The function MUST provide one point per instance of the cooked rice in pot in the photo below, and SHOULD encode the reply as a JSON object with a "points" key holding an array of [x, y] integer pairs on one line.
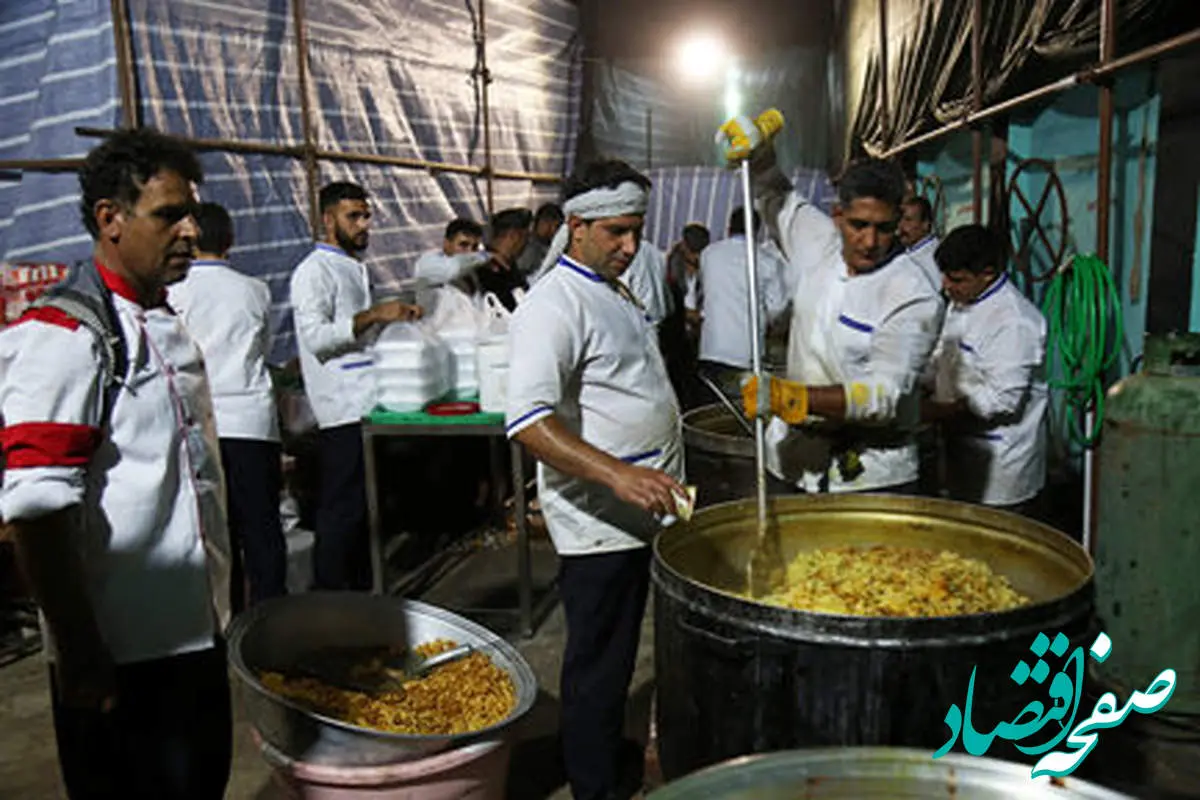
{"points": [[890, 581], [460, 697]]}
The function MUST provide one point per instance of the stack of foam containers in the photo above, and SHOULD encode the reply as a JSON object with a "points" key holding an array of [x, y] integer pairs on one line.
{"points": [[412, 367], [464, 378]]}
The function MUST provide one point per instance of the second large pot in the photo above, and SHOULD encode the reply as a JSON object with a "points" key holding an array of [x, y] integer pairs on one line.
{"points": [[736, 677]]}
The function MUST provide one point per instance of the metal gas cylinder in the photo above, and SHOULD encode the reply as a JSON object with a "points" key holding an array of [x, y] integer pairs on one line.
{"points": [[1148, 522]]}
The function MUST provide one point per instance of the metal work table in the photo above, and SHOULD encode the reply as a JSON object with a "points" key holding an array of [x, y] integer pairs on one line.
{"points": [[382, 424]]}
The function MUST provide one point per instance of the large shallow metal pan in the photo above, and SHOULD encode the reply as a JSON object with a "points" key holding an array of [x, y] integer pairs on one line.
{"points": [[274, 634]]}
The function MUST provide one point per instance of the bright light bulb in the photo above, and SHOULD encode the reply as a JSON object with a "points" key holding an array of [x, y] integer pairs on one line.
{"points": [[701, 57]]}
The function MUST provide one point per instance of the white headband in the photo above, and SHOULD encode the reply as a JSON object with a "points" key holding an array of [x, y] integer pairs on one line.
{"points": [[626, 199]]}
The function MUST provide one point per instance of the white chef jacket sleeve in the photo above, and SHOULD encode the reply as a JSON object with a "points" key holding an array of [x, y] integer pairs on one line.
{"points": [[51, 409], [659, 260], [322, 333], [900, 348], [1008, 356], [806, 233], [546, 350], [263, 294], [775, 292]]}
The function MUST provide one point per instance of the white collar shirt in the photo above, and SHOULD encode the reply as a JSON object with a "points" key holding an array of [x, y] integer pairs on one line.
{"points": [[436, 267], [646, 277], [921, 254], [725, 329], [327, 289], [991, 353], [152, 529], [878, 329], [228, 314], [590, 357]]}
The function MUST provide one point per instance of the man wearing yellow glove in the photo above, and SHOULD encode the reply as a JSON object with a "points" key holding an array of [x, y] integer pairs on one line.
{"points": [[864, 322]]}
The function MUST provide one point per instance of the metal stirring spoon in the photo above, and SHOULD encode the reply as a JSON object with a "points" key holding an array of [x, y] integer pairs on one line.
{"points": [[765, 571]]}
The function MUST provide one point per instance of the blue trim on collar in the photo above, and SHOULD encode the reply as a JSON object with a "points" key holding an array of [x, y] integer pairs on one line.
{"points": [[209, 262], [575, 266], [921, 245], [995, 287], [332, 248]]}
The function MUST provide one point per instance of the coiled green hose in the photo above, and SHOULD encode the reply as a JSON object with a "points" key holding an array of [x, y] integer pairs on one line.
{"points": [[1086, 330]]}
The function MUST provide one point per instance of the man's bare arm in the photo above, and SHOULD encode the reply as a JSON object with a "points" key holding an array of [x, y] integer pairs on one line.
{"points": [[551, 442], [53, 569]]}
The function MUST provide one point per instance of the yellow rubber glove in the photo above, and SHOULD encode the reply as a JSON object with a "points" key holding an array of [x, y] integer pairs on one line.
{"points": [[789, 400], [739, 137]]}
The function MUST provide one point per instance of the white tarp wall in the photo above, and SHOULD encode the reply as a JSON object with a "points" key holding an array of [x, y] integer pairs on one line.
{"points": [[388, 77]]}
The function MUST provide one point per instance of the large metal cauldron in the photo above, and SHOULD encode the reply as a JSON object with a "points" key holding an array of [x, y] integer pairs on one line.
{"points": [[719, 456], [274, 634], [736, 677], [853, 773]]}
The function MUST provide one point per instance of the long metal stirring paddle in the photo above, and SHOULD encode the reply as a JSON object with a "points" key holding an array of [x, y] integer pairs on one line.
{"points": [[765, 570]]}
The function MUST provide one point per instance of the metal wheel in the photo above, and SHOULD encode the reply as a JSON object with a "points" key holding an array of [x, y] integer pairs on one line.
{"points": [[1038, 241]]}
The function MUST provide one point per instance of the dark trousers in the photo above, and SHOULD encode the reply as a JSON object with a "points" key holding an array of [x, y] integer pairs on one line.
{"points": [[604, 597], [341, 559], [252, 484], [170, 736]]}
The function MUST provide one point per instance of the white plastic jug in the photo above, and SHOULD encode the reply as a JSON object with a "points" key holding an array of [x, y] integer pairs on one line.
{"points": [[492, 371]]}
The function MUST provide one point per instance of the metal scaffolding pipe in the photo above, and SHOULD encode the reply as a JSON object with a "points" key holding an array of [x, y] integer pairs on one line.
{"points": [[297, 151], [976, 105], [126, 77], [485, 76], [1114, 66], [306, 121], [40, 164], [885, 104]]}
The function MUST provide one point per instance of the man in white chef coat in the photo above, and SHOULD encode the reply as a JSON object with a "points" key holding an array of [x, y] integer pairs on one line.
{"points": [[459, 254], [590, 399], [229, 316], [114, 493], [917, 236], [988, 377], [725, 288], [647, 279], [864, 321], [334, 318]]}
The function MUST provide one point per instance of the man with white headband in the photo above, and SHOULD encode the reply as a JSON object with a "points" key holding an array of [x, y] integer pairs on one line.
{"points": [[591, 400]]}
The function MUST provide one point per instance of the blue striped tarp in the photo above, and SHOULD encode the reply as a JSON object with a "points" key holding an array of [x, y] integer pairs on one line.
{"points": [[57, 71], [386, 77]]}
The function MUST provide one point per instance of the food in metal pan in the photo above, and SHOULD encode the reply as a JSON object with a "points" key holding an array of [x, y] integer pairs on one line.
{"points": [[460, 697], [892, 581]]}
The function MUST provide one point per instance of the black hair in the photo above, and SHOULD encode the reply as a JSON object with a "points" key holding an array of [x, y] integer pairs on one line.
{"points": [[737, 221], [119, 167], [920, 202], [510, 219], [606, 174], [549, 211], [463, 225], [872, 178], [696, 236], [216, 229], [970, 247], [334, 193]]}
